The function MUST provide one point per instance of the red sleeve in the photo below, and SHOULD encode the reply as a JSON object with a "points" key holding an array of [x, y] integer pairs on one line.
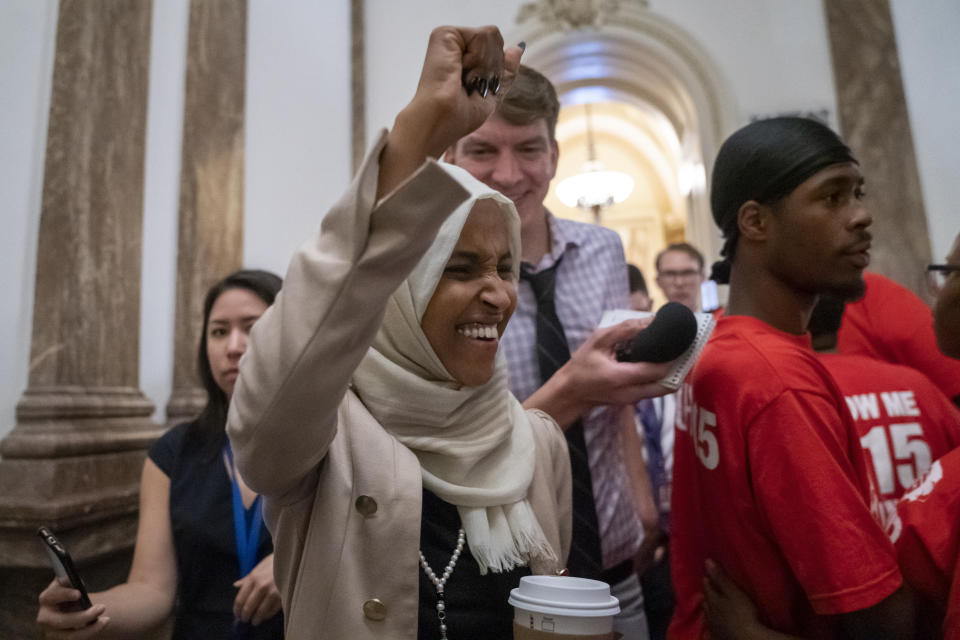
{"points": [[892, 323], [810, 488], [929, 542]]}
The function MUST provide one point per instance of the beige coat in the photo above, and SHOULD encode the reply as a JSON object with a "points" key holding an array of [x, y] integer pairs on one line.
{"points": [[343, 497]]}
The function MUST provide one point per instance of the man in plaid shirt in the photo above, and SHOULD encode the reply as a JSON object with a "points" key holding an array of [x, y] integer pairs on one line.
{"points": [[515, 152]]}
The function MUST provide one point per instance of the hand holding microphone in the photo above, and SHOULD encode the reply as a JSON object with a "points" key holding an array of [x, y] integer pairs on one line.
{"points": [[619, 364]]}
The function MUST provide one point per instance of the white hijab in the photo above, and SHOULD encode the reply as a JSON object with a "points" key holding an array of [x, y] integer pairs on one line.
{"points": [[475, 444]]}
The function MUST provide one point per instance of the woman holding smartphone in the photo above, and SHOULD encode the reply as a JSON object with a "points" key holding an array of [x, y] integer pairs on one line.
{"points": [[202, 552]]}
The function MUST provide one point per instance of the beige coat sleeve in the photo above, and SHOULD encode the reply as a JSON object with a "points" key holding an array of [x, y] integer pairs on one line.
{"points": [[304, 349]]}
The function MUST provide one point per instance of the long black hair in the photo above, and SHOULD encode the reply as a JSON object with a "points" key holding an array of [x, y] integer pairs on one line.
{"points": [[209, 426], [765, 161]]}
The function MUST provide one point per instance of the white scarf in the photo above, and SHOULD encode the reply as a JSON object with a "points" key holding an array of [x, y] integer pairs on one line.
{"points": [[475, 444]]}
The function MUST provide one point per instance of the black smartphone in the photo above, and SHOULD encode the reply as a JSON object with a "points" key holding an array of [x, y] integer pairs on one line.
{"points": [[63, 566]]}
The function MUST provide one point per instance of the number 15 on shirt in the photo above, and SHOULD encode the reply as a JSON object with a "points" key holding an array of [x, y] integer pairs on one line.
{"points": [[704, 428]]}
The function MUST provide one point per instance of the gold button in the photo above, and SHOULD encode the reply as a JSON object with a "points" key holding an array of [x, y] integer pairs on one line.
{"points": [[373, 609], [366, 505]]}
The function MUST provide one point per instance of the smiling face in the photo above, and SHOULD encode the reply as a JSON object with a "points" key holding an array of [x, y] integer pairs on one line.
{"points": [[231, 318], [519, 161], [818, 234], [474, 298]]}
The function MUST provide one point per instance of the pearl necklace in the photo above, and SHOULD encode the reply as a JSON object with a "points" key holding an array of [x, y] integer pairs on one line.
{"points": [[438, 583]]}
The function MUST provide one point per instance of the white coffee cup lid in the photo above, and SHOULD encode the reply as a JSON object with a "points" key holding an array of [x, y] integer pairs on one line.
{"points": [[565, 596]]}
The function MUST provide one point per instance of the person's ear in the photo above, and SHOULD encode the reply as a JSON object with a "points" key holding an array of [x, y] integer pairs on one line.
{"points": [[450, 154], [753, 221]]}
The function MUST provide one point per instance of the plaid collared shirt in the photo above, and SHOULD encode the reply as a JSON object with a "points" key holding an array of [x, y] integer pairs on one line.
{"points": [[591, 279]]}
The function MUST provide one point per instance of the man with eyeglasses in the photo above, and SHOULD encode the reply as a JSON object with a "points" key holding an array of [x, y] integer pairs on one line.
{"points": [[680, 274]]}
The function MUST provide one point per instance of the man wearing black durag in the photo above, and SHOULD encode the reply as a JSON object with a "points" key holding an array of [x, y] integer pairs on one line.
{"points": [[769, 477]]}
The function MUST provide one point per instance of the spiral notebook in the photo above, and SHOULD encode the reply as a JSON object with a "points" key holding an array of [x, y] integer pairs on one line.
{"points": [[682, 365]]}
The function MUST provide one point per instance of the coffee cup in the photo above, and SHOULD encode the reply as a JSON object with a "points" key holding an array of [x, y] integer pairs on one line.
{"points": [[555, 607]]}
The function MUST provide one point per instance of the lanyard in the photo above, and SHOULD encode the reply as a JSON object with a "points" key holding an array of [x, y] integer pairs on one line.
{"points": [[247, 540]]}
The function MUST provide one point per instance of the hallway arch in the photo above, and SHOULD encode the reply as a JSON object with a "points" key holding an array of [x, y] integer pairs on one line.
{"points": [[653, 67]]}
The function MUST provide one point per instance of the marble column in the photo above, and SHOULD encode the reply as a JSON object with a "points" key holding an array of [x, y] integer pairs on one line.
{"points": [[358, 85], [74, 458], [873, 118], [211, 181]]}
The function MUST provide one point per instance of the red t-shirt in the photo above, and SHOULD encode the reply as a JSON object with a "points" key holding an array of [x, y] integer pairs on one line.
{"points": [[770, 481], [905, 422], [891, 323], [929, 543]]}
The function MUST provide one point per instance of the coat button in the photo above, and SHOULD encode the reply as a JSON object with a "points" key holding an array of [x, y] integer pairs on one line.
{"points": [[373, 609], [366, 505]]}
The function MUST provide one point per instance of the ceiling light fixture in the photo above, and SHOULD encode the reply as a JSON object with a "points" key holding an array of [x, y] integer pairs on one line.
{"points": [[594, 189]]}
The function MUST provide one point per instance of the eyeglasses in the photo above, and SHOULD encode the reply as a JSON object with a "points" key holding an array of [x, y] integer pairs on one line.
{"points": [[938, 274], [686, 274]]}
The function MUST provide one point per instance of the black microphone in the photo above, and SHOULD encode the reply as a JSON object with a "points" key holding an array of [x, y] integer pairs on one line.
{"points": [[673, 330]]}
